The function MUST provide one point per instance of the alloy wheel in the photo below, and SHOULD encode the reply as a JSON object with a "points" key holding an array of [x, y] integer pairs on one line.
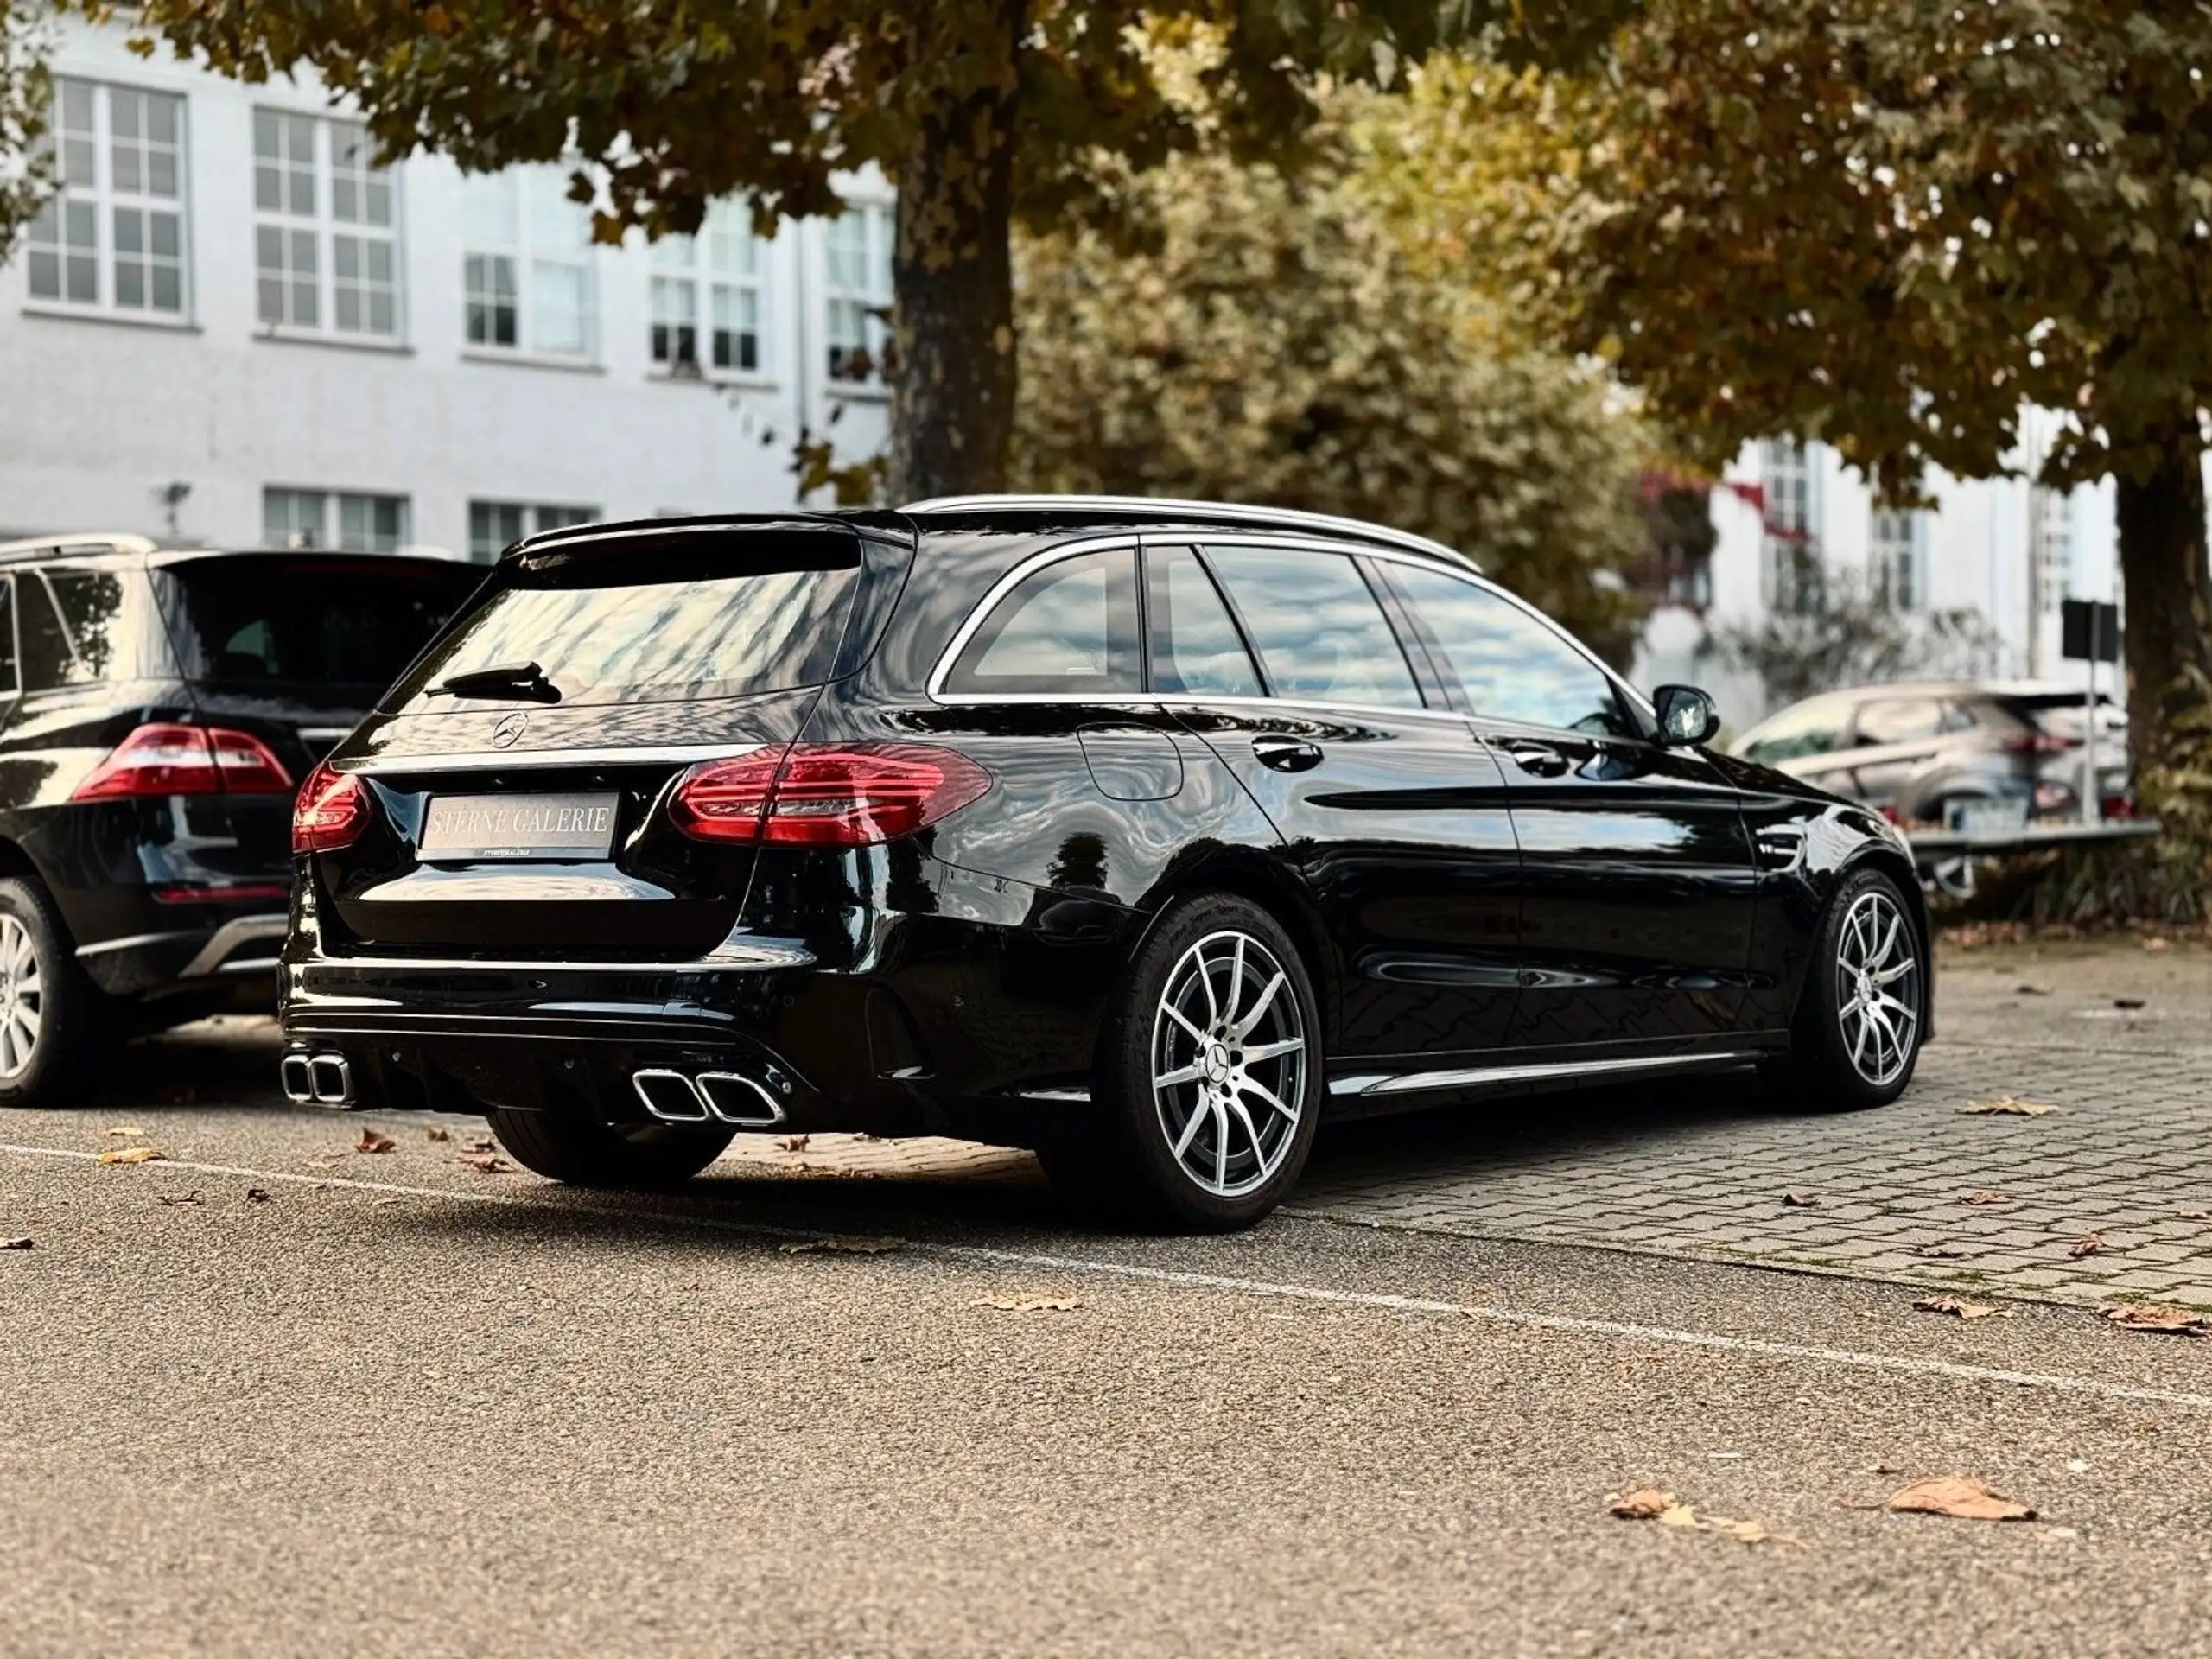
{"points": [[1878, 976], [23, 998], [1229, 1059]]}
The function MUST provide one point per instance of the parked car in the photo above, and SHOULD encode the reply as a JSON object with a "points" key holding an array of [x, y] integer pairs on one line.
{"points": [[157, 710], [1146, 834], [1920, 752]]}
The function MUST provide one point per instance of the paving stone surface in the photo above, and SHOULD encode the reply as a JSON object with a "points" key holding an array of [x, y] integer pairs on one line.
{"points": [[2106, 1198]]}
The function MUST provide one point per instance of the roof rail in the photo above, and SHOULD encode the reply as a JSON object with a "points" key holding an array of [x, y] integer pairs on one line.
{"points": [[77, 541], [1166, 507]]}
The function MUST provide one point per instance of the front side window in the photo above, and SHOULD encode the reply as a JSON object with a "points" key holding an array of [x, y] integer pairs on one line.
{"points": [[1070, 628], [1511, 666], [1194, 644], [495, 526], [856, 256], [527, 272], [326, 228], [1318, 629], [350, 523], [111, 239]]}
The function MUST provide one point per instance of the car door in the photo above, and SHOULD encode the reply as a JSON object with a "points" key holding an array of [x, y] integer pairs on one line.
{"points": [[1392, 817], [1893, 742], [1638, 879]]}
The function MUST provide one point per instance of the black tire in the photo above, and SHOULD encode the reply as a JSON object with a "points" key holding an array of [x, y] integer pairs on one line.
{"points": [[73, 1020], [645, 1157], [1836, 1064], [1116, 1161]]}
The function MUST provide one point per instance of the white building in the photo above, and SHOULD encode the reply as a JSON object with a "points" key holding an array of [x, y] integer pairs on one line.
{"points": [[2004, 549], [230, 328]]}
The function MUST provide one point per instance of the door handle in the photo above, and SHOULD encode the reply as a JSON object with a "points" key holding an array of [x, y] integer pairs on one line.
{"points": [[1282, 753], [1537, 760]]}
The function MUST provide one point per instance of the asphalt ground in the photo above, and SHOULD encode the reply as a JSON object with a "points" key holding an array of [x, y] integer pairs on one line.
{"points": [[400, 1405]]}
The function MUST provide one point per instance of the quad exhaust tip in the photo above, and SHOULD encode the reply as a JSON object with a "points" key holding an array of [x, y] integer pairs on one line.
{"points": [[317, 1080], [728, 1098]]}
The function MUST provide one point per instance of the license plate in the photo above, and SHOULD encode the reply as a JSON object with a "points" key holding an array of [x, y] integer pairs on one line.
{"points": [[520, 826]]}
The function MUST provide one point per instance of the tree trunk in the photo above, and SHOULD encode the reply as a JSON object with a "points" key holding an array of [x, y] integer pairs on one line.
{"points": [[2169, 633], [952, 396]]}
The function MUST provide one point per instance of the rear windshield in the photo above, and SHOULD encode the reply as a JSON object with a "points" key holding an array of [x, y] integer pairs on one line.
{"points": [[2064, 716], [292, 621], [652, 625]]}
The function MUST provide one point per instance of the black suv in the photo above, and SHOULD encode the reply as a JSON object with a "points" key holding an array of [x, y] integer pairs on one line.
{"points": [[1142, 833], [157, 711]]}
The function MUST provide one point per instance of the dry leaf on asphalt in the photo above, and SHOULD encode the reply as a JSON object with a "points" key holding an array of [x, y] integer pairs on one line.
{"points": [[257, 1195], [175, 1201], [1883, 1467], [2154, 942], [2131, 1003], [371, 1141], [844, 1244], [1938, 1252], [478, 1143], [1961, 1496], [2178, 1321], [128, 1133], [1643, 1503], [485, 1163], [2088, 1244], [2195, 1215], [2008, 1106], [794, 1142], [1980, 1196], [1649, 1503], [15, 1243], [435, 1134], [2032, 990], [1800, 1200], [1029, 1304], [1953, 1306], [130, 1155]]}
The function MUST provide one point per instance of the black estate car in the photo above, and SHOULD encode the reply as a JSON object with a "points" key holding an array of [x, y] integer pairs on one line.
{"points": [[1147, 834], [157, 710]]}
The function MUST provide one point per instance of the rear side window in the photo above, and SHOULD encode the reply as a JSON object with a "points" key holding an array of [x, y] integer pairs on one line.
{"points": [[1900, 719], [1812, 728], [1510, 664], [91, 605], [293, 621], [1320, 630], [1195, 647], [1070, 628], [48, 664], [667, 623]]}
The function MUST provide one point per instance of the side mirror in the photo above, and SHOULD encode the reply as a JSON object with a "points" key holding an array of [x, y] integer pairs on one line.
{"points": [[1686, 716]]}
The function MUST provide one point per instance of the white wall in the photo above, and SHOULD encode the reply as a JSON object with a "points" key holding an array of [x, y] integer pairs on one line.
{"points": [[97, 415]]}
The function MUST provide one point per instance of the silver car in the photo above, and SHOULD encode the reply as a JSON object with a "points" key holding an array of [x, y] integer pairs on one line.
{"points": [[1927, 752]]}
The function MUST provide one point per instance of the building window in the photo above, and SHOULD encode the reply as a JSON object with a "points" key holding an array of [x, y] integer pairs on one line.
{"points": [[2050, 547], [326, 228], [112, 238], [365, 523], [496, 525], [857, 257], [1789, 557], [1895, 558], [713, 279], [527, 271]]}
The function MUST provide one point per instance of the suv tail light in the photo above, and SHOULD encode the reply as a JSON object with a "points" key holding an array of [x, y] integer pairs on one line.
{"points": [[2040, 743], [174, 760], [332, 811], [825, 794]]}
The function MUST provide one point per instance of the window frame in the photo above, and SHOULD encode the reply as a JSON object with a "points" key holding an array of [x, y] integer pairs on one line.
{"points": [[13, 689], [523, 253], [333, 517], [879, 216], [706, 282], [326, 228], [533, 521], [101, 195]]}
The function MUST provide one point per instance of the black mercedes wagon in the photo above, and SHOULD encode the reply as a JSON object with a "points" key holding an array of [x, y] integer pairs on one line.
{"points": [[1146, 834]]}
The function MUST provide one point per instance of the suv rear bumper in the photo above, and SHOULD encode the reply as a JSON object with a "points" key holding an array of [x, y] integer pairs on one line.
{"points": [[241, 948]]}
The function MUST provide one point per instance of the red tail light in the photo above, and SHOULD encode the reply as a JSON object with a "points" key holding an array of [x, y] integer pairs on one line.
{"points": [[2040, 743], [174, 759], [826, 794], [332, 811]]}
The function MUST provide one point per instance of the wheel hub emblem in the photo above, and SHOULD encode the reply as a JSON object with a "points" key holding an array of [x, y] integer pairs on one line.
{"points": [[504, 733], [1217, 1062]]}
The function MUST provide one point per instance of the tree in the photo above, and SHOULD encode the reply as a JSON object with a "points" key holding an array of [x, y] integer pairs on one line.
{"points": [[977, 109], [1892, 224], [26, 98], [1270, 338]]}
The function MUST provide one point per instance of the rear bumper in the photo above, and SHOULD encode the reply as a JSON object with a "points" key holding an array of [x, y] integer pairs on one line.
{"points": [[240, 948]]}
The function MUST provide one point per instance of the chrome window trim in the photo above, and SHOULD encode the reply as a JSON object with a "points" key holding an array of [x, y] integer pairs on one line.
{"points": [[1170, 507], [374, 765]]}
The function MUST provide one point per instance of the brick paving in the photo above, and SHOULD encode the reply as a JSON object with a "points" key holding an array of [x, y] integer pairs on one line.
{"points": [[1702, 1169]]}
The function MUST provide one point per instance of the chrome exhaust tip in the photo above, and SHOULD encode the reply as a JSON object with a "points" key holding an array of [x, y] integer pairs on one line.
{"points": [[299, 1080], [330, 1080], [740, 1100], [669, 1096]]}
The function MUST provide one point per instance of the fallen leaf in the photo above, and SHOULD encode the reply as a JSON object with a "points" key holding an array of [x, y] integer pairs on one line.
{"points": [[257, 1195], [2154, 942], [378, 1203], [2032, 990], [15, 1243], [176, 1201], [478, 1143], [130, 1155], [794, 1142], [844, 1244], [1938, 1252], [435, 1134], [2088, 1244], [1643, 1503], [371, 1141], [2195, 1215], [126, 1133], [1952, 1305], [2178, 1321], [2007, 1106], [1800, 1200], [1961, 1496], [1028, 1304], [485, 1163], [1980, 1196], [2127, 1002], [1885, 1467]]}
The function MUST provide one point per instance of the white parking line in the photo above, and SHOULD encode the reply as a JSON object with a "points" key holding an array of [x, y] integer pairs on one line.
{"points": [[1857, 1359]]}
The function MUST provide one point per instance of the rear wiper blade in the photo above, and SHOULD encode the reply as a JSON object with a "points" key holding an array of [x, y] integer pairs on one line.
{"points": [[525, 681]]}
